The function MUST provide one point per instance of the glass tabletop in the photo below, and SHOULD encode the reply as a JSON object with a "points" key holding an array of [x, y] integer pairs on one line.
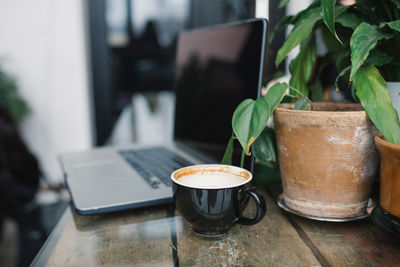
{"points": [[158, 236]]}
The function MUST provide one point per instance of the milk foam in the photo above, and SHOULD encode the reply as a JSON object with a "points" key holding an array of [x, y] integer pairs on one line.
{"points": [[211, 180]]}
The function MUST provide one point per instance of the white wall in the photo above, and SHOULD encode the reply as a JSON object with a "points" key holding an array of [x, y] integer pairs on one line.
{"points": [[262, 9], [43, 44]]}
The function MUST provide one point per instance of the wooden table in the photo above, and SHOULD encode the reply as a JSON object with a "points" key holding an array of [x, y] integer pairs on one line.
{"points": [[158, 236]]}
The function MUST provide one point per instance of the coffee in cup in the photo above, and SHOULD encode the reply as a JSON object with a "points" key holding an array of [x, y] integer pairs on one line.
{"points": [[213, 197]]}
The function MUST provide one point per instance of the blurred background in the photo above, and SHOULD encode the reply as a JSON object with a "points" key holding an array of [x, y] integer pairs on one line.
{"points": [[83, 73]]}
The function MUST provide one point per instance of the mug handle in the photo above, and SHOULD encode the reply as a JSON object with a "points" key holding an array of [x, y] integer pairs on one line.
{"points": [[260, 203]]}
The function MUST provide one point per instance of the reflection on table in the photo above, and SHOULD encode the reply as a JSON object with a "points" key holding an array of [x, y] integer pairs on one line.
{"points": [[158, 236]]}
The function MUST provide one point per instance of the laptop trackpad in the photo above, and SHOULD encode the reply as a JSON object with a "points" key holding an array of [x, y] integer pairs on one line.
{"points": [[106, 184]]}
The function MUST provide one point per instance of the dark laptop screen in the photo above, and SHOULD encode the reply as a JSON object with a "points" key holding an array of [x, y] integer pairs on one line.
{"points": [[217, 68]]}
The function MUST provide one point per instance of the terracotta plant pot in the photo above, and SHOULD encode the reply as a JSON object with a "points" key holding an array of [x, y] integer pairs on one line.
{"points": [[389, 195], [327, 158]]}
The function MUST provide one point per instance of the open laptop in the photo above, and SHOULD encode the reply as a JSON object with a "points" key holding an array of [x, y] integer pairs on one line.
{"points": [[216, 68]]}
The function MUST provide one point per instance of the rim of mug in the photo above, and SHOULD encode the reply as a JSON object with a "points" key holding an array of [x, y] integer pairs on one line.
{"points": [[237, 172]]}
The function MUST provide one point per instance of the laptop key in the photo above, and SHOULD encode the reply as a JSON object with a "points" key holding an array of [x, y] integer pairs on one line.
{"points": [[146, 175], [154, 165]]}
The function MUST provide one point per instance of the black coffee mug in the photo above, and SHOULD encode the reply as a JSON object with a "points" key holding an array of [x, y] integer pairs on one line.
{"points": [[213, 197]]}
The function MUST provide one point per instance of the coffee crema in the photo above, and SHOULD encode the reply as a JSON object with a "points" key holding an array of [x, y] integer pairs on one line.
{"points": [[211, 180]]}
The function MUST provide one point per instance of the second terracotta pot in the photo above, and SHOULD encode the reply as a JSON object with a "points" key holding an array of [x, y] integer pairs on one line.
{"points": [[389, 195], [327, 158]]}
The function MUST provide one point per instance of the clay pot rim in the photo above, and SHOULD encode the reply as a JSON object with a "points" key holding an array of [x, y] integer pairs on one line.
{"points": [[288, 107], [381, 140]]}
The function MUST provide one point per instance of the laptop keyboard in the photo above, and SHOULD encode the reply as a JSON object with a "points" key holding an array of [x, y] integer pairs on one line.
{"points": [[155, 165]]}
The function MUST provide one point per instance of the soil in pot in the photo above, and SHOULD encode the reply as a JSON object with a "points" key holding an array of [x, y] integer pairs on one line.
{"points": [[327, 158]]}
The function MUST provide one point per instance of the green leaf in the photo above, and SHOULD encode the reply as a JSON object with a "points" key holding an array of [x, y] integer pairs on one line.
{"points": [[278, 27], [301, 103], [227, 159], [251, 116], [298, 34], [349, 20], [266, 173], [397, 3], [329, 40], [264, 148], [340, 57], [248, 121], [304, 24], [378, 58], [373, 93], [339, 10], [302, 66], [328, 16], [363, 40], [395, 25], [317, 93], [299, 15], [275, 95], [353, 94]]}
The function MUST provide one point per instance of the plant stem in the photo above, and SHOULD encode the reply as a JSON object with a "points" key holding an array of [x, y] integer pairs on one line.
{"points": [[311, 105], [296, 90], [242, 159], [292, 96]]}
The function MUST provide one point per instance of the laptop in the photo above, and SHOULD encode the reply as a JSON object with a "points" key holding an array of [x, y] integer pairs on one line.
{"points": [[216, 68]]}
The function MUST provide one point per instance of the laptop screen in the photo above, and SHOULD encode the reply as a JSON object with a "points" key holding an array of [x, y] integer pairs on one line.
{"points": [[216, 69]]}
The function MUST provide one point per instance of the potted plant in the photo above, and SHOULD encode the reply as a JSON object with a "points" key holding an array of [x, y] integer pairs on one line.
{"points": [[19, 169], [362, 49], [10, 98]]}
